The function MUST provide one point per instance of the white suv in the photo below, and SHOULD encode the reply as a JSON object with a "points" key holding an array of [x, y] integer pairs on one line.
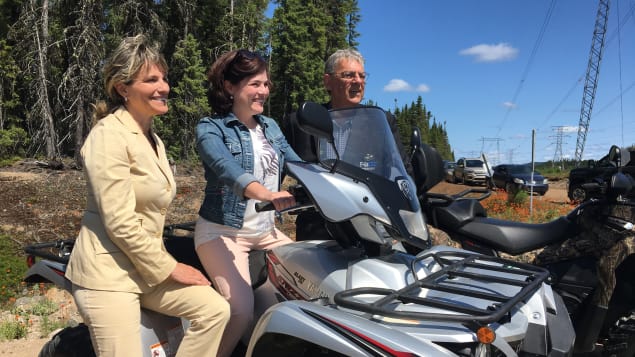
{"points": [[470, 170]]}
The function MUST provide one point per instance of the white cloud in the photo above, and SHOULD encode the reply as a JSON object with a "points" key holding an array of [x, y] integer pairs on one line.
{"points": [[491, 53], [510, 105], [399, 85], [423, 88]]}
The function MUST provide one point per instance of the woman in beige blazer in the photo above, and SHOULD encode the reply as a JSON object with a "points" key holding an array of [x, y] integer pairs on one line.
{"points": [[119, 262]]}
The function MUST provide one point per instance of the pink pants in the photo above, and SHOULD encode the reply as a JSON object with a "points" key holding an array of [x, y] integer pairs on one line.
{"points": [[225, 260]]}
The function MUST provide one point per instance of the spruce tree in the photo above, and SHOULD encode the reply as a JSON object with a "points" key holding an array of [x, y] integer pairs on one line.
{"points": [[188, 100]]}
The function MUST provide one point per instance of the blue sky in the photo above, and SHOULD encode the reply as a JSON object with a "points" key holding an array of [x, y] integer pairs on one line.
{"points": [[487, 70]]}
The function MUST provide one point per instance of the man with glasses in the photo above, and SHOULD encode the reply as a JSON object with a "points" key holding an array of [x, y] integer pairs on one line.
{"points": [[344, 80]]}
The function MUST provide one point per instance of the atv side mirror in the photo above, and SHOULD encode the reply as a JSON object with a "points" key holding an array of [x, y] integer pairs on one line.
{"points": [[314, 119], [615, 155]]}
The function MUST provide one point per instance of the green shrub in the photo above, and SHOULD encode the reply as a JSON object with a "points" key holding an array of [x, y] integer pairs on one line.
{"points": [[15, 328], [13, 142], [520, 197], [12, 269], [47, 325], [43, 308]]}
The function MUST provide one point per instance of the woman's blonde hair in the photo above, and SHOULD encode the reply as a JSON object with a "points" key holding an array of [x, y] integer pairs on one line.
{"points": [[122, 66]]}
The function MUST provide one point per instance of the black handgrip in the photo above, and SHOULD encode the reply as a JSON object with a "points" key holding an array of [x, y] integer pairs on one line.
{"points": [[265, 206], [298, 192]]}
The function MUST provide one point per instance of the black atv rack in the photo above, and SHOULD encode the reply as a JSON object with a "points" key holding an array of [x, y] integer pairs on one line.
{"points": [[471, 270]]}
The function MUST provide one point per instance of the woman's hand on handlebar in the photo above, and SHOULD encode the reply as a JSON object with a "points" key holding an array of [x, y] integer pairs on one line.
{"points": [[188, 275], [282, 200]]}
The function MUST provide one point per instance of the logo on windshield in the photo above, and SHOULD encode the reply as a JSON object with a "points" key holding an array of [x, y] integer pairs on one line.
{"points": [[404, 186]]}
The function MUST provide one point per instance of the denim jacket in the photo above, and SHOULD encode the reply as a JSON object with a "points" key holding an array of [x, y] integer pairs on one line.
{"points": [[225, 147]]}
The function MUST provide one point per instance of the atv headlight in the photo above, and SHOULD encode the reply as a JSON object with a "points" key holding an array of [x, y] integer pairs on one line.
{"points": [[415, 224], [519, 181]]}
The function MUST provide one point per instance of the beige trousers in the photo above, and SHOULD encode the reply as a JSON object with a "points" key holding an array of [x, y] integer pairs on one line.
{"points": [[113, 317]]}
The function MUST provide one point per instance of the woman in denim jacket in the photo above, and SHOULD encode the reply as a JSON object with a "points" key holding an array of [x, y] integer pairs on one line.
{"points": [[243, 153]]}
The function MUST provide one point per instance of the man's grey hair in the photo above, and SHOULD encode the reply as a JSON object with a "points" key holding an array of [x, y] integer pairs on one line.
{"points": [[347, 53]]}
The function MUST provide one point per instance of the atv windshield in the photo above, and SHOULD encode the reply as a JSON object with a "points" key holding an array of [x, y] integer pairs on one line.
{"points": [[367, 153], [363, 139]]}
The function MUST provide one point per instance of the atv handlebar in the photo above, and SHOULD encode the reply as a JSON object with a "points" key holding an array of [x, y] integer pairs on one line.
{"points": [[299, 194], [57, 251]]}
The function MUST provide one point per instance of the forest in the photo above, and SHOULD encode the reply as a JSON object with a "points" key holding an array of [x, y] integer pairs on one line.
{"points": [[51, 53]]}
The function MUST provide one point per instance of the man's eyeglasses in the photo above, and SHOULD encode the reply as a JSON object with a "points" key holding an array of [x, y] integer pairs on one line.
{"points": [[350, 75]]}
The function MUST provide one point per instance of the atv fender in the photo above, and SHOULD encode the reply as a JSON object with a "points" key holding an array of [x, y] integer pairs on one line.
{"points": [[331, 329]]}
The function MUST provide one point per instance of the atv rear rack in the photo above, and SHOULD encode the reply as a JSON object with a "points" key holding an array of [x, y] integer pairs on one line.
{"points": [[468, 268]]}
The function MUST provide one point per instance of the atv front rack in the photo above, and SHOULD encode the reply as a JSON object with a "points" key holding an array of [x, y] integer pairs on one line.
{"points": [[462, 275]]}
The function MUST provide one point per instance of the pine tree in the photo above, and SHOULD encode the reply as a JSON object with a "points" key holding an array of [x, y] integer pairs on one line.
{"points": [[304, 34], [433, 134], [188, 101], [9, 99], [31, 36]]}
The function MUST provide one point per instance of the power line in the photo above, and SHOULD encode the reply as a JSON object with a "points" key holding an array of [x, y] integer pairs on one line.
{"points": [[532, 56]]}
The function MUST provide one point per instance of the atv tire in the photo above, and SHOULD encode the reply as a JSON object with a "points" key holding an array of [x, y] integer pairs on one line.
{"points": [[69, 342], [578, 194]]}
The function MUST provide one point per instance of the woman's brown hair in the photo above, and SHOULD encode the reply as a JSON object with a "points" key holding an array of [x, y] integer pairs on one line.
{"points": [[232, 66]]}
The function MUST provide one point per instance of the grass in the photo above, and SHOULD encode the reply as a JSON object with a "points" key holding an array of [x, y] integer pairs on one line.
{"points": [[38, 311], [20, 320], [12, 267], [16, 327]]}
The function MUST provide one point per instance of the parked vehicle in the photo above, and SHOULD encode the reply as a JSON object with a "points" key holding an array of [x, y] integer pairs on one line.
{"points": [[591, 171], [448, 167], [363, 294], [594, 225], [514, 178], [470, 171]]}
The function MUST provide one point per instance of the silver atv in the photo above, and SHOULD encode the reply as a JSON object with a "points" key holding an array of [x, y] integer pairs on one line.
{"points": [[364, 293], [376, 288]]}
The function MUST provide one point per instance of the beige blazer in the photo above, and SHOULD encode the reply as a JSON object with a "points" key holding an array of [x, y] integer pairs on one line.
{"points": [[120, 245]]}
